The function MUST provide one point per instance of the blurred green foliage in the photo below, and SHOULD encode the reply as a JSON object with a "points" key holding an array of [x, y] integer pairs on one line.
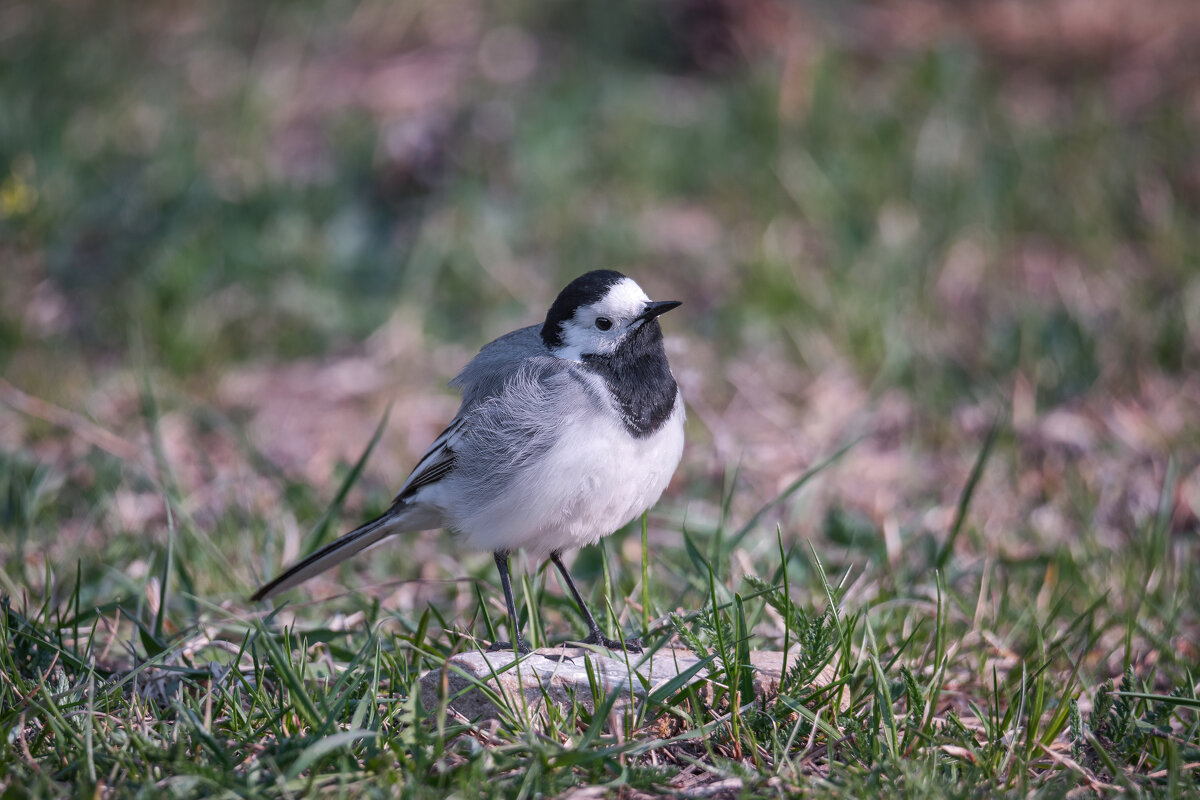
{"points": [[184, 192]]}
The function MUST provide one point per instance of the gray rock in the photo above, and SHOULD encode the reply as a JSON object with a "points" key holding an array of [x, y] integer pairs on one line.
{"points": [[479, 685]]}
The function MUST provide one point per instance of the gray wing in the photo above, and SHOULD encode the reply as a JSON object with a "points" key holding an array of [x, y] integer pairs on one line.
{"points": [[487, 373], [437, 462], [487, 376], [517, 425]]}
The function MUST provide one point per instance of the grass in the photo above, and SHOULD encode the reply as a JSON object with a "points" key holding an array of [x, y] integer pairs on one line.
{"points": [[939, 345], [946, 683]]}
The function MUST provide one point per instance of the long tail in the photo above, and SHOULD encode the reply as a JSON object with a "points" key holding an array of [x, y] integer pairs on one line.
{"points": [[336, 552]]}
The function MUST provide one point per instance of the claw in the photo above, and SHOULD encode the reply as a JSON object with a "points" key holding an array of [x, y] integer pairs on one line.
{"points": [[629, 646]]}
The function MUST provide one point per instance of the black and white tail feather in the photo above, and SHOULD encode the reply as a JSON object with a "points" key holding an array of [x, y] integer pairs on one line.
{"points": [[435, 465], [332, 554]]}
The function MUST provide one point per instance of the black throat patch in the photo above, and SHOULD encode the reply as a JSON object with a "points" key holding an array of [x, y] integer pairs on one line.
{"points": [[639, 379]]}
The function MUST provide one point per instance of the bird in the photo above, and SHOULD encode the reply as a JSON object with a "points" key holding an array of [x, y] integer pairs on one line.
{"points": [[566, 432]]}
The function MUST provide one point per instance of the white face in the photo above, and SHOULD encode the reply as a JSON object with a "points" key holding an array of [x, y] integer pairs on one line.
{"points": [[599, 327]]}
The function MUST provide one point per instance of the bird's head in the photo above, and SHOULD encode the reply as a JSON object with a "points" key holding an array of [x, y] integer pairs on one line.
{"points": [[600, 312]]}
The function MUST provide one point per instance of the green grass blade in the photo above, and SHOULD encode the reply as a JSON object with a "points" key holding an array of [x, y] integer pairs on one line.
{"points": [[299, 694], [787, 492], [320, 532], [964, 499], [324, 746]]}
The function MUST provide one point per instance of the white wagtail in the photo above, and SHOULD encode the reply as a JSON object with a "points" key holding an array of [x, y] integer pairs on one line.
{"points": [[567, 431]]}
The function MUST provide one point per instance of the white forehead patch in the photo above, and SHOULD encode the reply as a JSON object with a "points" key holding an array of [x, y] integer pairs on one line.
{"points": [[623, 299]]}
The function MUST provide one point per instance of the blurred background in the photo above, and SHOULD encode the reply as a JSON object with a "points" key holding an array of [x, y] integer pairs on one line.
{"points": [[232, 235]]}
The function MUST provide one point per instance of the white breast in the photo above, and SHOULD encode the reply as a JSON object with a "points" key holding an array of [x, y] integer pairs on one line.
{"points": [[595, 479]]}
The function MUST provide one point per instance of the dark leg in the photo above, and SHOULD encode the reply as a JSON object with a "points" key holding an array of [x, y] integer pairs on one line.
{"points": [[594, 634], [514, 625]]}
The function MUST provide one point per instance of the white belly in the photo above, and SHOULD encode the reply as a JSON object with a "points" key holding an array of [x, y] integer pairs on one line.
{"points": [[592, 482]]}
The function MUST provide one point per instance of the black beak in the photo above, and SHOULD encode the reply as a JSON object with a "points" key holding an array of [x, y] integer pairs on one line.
{"points": [[654, 309]]}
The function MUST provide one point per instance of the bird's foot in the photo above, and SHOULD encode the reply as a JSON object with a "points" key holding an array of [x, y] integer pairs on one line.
{"points": [[522, 647], [629, 645]]}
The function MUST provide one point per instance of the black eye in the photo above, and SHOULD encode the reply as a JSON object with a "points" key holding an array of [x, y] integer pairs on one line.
{"points": [[603, 323]]}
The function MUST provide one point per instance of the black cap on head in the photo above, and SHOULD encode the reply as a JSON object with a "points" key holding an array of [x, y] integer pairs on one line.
{"points": [[584, 290]]}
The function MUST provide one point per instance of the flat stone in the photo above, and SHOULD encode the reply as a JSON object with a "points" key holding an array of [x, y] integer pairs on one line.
{"points": [[479, 684]]}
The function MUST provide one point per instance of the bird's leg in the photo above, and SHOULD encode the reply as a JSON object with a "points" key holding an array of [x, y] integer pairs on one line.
{"points": [[594, 634], [514, 624]]}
